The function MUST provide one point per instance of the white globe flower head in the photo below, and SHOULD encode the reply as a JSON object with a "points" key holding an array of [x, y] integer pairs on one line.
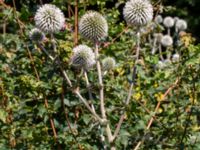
{"points": [[158, 19], [175, 58], [83, 57], [49, 18], [166, 41], [93, 26], [108, 63], [138, 12], [181, 25], [168, 22], [36, 35]]}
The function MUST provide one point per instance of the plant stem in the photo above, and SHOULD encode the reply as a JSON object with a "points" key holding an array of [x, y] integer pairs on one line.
{"points": [[102, 107], [160, 51], [154, 46], [89, 90], [76, 23], [119, 124], [87, 105]]}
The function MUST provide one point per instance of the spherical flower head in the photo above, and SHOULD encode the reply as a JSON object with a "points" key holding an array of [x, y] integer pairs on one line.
{"points": [[181, 25], [108, 63], [158, 19], [138, 12], [175, 58], [93, 26], [168, 22], [167, 41], [36, 35], [49, 18], [83, 57]]}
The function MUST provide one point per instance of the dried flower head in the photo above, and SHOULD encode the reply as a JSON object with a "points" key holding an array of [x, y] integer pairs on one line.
{"points": [[166, 41], [181, 25], [138, 12], [168, 22], [49, 18], [36, 35], [93, 26], [83, 57], [158, 19], [108, 63]]}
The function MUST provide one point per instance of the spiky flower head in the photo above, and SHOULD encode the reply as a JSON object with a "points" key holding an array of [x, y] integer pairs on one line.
{"points": [[49, 18], [158, 19], [166, 41], [138, 12], [175, 58], [181, 25], [108, 63], [93, 26], [83, 57], [36, 35], [168, 22]]}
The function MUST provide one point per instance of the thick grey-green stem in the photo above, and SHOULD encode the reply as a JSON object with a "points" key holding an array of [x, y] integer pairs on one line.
{"points": [[160, 51], [89, 89], [101, 94], [153, 51], [131, 87]]}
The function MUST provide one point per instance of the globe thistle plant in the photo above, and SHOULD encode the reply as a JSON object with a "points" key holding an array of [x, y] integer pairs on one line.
{"points": [[181, 25], [158, 19], [93, 26], [167, 41], [168, 22], [108, 63], [49, 18], [83, 57], [36, 35], [138, 12]]}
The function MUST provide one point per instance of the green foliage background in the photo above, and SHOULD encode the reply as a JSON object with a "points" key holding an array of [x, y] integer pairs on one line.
{"points": [[28, 80]]}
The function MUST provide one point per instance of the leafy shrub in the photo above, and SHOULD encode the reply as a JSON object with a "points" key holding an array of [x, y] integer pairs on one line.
{"points": [[41, 91]]}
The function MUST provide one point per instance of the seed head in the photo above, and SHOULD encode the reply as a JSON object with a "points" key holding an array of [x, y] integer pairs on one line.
{"points": [[108, 63], [181, 25], [93, 26], [168, 22], [83, 57], [36, 35], [138, 12], [175, 58], [167, 41], [49, 18], [158, 19]]}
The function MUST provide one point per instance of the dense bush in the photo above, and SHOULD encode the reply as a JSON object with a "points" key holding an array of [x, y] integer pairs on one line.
{"points": [[41, 109]]}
